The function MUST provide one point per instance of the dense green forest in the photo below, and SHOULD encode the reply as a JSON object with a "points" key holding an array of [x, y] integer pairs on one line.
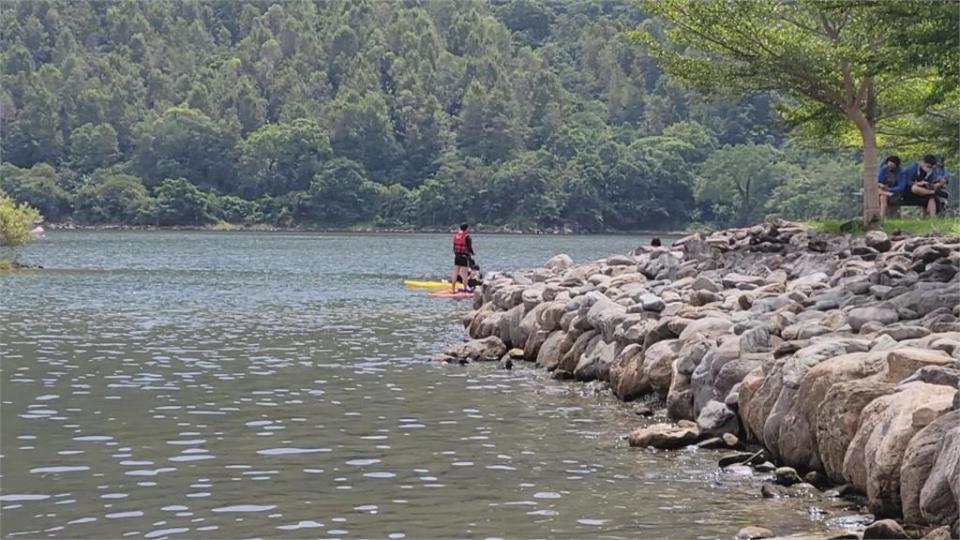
{"points": [[333, 113]]}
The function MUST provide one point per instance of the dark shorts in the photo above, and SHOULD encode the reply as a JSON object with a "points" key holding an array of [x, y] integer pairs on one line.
{"points": [[461, 259], [909, 198]]}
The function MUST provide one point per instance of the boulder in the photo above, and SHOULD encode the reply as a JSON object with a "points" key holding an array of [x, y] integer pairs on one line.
{"points": [[559, 262], [837, 418], [620, 260], [555, 346], [873, 459], [584, 342], [754, 533], [663, 436], [755, 340], [595, 365], [717, 419], [885, 529], [733, 280], [940, 495], [488, 349], [703, 283], [787, 476], [708, 327], [918, 460], [877, 240], [657, 368], [860, 316], [626, 379], [924, 298]]}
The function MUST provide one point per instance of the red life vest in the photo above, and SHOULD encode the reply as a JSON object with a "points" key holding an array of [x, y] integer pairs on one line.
{"points": [[460, 242]]}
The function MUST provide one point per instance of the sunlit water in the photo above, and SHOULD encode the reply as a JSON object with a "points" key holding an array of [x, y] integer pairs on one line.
{"points": [[234, 385]]}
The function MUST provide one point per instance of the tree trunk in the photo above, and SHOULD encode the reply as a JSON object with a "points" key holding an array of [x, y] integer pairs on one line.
{"points": [[868, 175]]}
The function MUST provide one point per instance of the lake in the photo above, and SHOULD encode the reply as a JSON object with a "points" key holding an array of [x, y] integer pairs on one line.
{"points": [[240, 384]]}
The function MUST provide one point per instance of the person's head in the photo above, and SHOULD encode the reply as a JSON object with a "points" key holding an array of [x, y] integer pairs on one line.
{"points": [[892, 162], [928, 162], [464, 226], [655, 242]]}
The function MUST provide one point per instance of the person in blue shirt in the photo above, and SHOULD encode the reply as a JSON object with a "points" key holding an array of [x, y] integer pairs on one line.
{"points": [[891, 181], [924, 179]]}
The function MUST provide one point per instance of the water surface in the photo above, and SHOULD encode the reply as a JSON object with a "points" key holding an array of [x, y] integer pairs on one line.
{"points": [[236, 385]]}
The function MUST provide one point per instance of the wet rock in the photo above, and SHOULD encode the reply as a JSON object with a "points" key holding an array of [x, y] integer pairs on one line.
{"points": [[716, 418], [886, 529], [837, 418], [817, 479], [643, 410], [734, 458], [488, 349], [860, 316], [765, 467], [787, 476], [505, 363], [754, 533], [664, 436]]}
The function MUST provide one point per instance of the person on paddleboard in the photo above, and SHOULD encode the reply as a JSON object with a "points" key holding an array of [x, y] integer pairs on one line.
{"points": [[462, 254]]}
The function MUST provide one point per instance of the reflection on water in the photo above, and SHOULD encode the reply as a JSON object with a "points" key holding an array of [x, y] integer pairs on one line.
{"points": [[272, 385]]}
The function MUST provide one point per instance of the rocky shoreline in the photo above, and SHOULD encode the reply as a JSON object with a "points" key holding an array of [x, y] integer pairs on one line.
{"points": [[837, 359]]}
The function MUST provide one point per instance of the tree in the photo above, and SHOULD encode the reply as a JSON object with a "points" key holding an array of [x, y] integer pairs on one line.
{"points": [[279, 158], [178, 202], [340, 194], [834, 59], [737, 181], [93, 146], [38, 186], [185, 143], [113, 198], [16, 220]]}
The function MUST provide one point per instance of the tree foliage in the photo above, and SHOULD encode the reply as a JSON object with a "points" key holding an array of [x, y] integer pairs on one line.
{"points": [[515, 113]]}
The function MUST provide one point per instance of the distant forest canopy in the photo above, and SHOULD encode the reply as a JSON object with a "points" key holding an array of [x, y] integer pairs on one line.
{"points": [[518, 113]]}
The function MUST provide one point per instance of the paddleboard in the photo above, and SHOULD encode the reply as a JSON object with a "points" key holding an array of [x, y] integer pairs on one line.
{"points": [[424, 284], [450, 294]]}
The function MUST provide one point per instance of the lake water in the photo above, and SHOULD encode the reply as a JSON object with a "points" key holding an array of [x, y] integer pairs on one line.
{"points": [[239, 385]]}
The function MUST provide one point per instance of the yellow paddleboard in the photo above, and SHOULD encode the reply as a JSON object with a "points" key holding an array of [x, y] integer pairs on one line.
{"points": [[416, 284]]}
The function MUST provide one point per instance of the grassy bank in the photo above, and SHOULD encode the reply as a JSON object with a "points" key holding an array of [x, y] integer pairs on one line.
{"points": [[912, 226]]}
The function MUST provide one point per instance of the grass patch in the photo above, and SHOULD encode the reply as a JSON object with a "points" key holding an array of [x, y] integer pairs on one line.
{"points": [[945, 226]]}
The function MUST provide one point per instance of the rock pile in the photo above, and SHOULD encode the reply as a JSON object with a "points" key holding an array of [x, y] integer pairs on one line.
{"points": [[835, 355]]}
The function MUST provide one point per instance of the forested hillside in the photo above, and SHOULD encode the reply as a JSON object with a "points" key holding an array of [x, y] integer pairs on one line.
{"points": [[521, 113]]}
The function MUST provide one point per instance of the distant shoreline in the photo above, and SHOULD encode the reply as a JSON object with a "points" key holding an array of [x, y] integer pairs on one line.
{"points": [[353, 230]]}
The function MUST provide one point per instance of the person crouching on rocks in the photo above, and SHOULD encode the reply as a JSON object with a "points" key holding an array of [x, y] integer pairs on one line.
{"points": [[462, 253]]}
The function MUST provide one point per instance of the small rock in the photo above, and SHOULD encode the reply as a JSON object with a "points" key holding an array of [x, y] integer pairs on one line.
{"points": [[738, 470], [773, 491], [860, 316], [734, 458], [731, 440], [687, 424], [562, 375], [817, 479], [765, 467], [754, 533], [664, 436], [712, 443], [515, 353], [885, 529], [704, 284], [940, 533], [505, 363], [787, 476], [877, 240], [643, 410], [559, 262]]}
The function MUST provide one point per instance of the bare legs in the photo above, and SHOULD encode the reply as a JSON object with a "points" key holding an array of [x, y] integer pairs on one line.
{"points": [[458, 271], [930, 195]]}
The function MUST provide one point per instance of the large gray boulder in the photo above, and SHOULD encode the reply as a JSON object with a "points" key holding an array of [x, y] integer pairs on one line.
{"points": [[918, 460], [887, 425], [716, 419], [940, 495], [555, 346]]}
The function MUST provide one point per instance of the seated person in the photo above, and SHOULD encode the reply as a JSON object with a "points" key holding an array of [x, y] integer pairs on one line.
{"points": [[891, 182], [924, 181]]}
